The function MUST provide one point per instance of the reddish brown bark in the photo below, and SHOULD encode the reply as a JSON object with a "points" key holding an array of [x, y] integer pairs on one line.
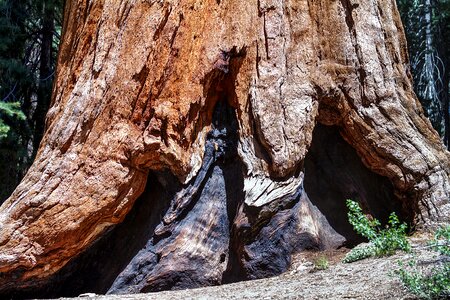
{"points": [[135, 91]]}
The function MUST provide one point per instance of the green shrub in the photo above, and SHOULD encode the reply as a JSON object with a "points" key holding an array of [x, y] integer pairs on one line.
{"points": [[321, 263], [360, 252], [392, 238], [382, 242], [433, 284], [441, 242]]}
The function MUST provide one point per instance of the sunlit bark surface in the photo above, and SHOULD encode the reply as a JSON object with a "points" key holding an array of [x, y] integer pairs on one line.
{"points": [[218, 102]]}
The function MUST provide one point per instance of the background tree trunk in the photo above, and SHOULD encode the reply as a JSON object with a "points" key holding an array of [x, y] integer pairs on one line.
{"points": [[207, 109], [45, 71]]}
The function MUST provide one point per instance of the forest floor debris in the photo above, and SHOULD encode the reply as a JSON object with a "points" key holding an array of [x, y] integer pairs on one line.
{"points": [[371, 278]]}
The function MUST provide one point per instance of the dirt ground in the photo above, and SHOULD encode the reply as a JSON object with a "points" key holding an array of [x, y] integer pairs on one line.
{"points": [[372, 278]]}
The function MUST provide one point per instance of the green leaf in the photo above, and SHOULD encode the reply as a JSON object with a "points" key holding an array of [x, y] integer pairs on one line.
{"points": [[12, 109]]}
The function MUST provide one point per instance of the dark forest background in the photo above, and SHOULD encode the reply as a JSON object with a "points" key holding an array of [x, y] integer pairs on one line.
{"points": [[30, 32]]}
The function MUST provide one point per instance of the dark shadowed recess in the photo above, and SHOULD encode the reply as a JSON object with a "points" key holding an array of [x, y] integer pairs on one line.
{"points": [[95, 269], [334, 172], [148, 251], [133, 255], [190, 247], [133, 248]]}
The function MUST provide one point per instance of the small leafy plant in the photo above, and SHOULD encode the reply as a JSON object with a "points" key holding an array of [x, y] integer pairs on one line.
{"points": [[382, 242], [361, 251], [435, 283], [432, 285], [321, 263], [441, 242]]}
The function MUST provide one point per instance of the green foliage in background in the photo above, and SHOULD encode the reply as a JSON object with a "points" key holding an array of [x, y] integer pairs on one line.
{"points": [[11, 110], [29, 37], [382, 241]]}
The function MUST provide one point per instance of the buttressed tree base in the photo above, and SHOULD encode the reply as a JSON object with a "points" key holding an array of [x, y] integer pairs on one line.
{"points": [[198, 142]]}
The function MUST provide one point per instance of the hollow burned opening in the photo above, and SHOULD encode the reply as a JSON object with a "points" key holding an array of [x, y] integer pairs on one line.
{"points": [[175, 236], [184, 236], [96, 268], [334, 172], [202, 233]]}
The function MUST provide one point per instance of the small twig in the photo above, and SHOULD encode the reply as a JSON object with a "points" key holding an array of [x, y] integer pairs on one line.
{"points": [[10, 93], [443, 259], [420, 247]]}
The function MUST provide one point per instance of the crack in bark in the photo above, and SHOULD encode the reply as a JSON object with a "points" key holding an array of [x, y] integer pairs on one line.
{"points": [[163, 22]]}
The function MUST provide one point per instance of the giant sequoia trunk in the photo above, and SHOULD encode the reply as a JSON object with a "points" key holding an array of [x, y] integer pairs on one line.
{"points": [[193, 143]]}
